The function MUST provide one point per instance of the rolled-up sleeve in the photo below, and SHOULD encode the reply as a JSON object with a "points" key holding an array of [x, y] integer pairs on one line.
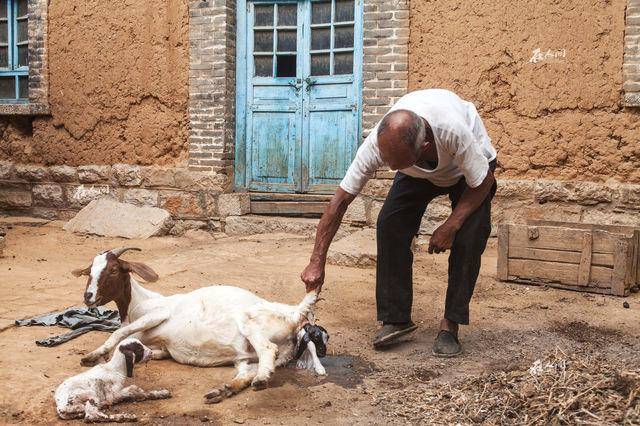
{"points": [[363, 167]]}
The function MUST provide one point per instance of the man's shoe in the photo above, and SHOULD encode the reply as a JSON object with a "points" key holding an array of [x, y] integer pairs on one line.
{"points": [[389, 333], [446, 345]]}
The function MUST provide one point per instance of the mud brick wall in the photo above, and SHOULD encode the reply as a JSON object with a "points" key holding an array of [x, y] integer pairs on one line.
{"points": [[192, 197], [118, 85], [556, 116]]}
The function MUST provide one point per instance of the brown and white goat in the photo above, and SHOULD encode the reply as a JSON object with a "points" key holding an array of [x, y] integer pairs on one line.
{"points": [[210, 326]]}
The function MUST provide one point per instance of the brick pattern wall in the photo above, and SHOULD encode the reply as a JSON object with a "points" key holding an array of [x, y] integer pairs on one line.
{"points": [[631, 67], [386, 58], [212, 34], [38, 67]]}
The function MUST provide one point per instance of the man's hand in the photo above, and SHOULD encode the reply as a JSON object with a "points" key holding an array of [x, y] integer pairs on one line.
{"points": [[313, 276], [442, 238]]}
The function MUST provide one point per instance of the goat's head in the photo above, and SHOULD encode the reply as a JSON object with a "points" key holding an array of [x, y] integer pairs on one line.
{"points": [[108, 276], [134, 352], [311, 345]]}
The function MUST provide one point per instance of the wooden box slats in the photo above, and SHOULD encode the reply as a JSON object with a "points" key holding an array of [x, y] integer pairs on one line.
{"points": [[585, 257]]}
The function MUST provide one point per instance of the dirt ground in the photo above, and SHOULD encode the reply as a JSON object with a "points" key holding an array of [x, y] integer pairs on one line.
{"points": [[511, 325]]}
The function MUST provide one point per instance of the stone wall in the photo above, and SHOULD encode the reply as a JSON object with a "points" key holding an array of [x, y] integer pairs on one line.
{"points": [[517, 201], [194, 199]]}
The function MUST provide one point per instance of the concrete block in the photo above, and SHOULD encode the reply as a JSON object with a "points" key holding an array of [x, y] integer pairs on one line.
{"points": [[81, 195], [94, 173], [63, 174], [112, 219], [357, 211], [127, 174], [157, 176], [12, 198], [31, 173], [141, 197], [48, 195], [182, 205], [358, 250], [235, 204], [7, 170]]}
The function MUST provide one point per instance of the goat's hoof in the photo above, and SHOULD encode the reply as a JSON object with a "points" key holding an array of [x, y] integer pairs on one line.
{"points": [[259, 384], [89, 360], [216, 395], [160, 394]]}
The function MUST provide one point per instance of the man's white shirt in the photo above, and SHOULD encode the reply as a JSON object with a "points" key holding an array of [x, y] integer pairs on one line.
{"points": [[463, 145]]}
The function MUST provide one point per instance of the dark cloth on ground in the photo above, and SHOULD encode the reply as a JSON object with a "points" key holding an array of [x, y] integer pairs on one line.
{"points": [[80, 320]]}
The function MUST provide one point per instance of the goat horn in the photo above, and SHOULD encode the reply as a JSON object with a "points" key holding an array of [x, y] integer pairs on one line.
{"points": [[117, 252]]}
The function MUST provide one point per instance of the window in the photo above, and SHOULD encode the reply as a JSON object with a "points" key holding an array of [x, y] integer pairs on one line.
{"points": [[332, 24], [14, 51], [275, 39]]}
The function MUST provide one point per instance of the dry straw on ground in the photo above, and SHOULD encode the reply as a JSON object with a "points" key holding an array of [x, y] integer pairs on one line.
{"points": [[558, 390]]}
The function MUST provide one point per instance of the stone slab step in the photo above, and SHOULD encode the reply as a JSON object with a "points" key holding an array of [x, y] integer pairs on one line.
{"points": [[289, 208], [357, 249], [255, 224], [274, 196]]}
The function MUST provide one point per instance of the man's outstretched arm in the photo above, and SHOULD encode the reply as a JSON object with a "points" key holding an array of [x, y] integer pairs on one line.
{"points": [[313, 274]]}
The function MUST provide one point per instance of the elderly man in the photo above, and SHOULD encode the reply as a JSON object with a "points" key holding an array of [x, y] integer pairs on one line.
{"points": [[439, 146]]}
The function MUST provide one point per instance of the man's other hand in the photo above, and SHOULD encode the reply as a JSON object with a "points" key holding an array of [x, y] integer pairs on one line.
{"points": [[442, 238], [313, 276]]}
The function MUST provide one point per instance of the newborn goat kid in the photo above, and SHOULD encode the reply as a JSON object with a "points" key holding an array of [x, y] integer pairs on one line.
{"points": [[210, 326], [84, 395]]}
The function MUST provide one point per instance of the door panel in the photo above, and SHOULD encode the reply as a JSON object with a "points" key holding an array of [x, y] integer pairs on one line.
{"points": [[274, 151], [274, 101], [298, 99]]}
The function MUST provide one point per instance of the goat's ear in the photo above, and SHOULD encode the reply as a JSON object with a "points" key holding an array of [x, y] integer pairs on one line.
{"points": [[129, 357], [141, 270], [81, 272]]}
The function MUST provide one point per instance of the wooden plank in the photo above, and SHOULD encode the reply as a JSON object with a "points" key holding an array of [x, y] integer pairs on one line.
{"points": [[584, 268], [597, 259], [622, 258], [503, 252], [555, 238], [622, 229], [565, 273], [599, 290], [274, 196], [287, 207]]}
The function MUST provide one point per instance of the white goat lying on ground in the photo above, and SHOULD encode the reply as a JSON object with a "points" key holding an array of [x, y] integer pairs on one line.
{"points": [[210, 326], [84, 395]]}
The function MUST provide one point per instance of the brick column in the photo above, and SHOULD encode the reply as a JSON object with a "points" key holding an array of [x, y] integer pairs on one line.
{"points": [[631, 64], [386, 58], [212, 44]]}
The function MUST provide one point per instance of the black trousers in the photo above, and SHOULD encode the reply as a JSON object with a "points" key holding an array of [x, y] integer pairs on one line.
{"points": [[399, 221]]}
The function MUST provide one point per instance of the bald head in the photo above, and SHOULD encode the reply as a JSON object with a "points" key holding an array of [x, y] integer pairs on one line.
{"points": [[401, 136]]}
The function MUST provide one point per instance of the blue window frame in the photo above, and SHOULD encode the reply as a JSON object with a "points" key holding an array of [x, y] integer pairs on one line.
{"points": [[14, 51]]}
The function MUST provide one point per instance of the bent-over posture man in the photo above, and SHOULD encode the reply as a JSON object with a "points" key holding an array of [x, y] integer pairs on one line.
{"points": [[440, 146]]}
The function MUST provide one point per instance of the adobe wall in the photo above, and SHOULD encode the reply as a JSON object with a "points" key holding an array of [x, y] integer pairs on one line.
{"points": [[118, 87], [560, 118]]}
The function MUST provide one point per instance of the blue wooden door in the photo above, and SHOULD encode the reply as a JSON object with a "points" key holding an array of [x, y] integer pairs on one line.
{"points": [[298, 97]]}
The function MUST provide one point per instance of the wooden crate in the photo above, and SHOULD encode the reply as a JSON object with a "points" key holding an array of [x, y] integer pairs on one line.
{"points": [[584, 257]]}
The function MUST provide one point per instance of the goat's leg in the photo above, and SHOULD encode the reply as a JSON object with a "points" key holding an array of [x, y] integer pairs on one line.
{"points": [[267, 352], [245, 373], [160, 354], [94, 415], [143, 323], [137, 394]]}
